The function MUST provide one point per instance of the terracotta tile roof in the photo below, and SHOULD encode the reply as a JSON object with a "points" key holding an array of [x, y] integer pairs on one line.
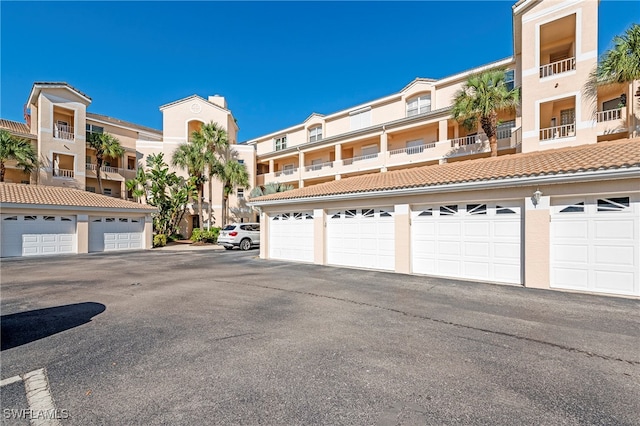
{"points": [[119, 122], [15, 193], [604, 155], [15, 127]]}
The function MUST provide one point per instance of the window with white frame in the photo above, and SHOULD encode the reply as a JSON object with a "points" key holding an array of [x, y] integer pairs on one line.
{"points": [[419, 105], [315, 134], [92, 128], [360, 118], [280, 143], [240, 193], [106, 191]]}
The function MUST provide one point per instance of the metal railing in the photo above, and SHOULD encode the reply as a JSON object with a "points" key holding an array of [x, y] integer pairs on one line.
{"points": [[63, 173], [504, 133], [557, 132], [609, 115], [106, 169], [286, 172], [413, 149], [352, 160], [464, 141], [321, 166], [558, 67], [61, 131]]}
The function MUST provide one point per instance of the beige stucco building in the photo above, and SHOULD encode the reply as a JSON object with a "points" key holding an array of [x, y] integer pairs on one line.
{"points": [[396, 184]]}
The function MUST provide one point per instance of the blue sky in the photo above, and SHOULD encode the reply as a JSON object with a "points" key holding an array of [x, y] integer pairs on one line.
{"points": [[275, 62]]}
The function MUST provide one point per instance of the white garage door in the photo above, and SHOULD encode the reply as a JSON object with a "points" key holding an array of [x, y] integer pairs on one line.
{"points": [[473, 241], [291, 236], [362, 238], [115, 233], [595, 245], [36, 235]]}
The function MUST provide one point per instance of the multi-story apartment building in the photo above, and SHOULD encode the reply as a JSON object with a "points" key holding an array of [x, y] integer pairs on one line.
{"points": [[58, 125], [555, 50], [397, 184]]}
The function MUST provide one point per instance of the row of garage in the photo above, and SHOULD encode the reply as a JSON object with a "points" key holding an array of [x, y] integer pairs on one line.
{"points": [[593, 242], [48, 234]]}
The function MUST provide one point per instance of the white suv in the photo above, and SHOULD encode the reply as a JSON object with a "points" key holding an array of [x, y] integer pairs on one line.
{"points": [[243, 235]]}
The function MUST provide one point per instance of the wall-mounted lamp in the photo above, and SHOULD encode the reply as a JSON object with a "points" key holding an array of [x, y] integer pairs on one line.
{"points": [[535, 198], [623, 99]]}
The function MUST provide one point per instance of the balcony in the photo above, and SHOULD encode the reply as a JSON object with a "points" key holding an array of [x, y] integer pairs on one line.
{"points": [[286, 172], [106, 172], [611, 121], [349, 161], [558, 132], [62, 131], [63, 173], [418, 149], [558, 67], [316, 167]]}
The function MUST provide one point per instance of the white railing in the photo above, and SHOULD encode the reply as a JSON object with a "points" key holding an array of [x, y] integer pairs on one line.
{"points": [[413, 149], [504, 133], [63, 132], [286, 172], [464, 141], [559, 67], [91, 166], [315, 167], [63, 173], [610, 115], [352, 160], [106, 169], [557, 132]]}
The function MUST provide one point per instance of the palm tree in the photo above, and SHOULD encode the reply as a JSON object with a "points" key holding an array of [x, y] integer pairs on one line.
{"points": [[137, 185], [193, 157], [619, 65], [270, 188], [20, 150], [480, 99], [106, 145], [214, 137], [233, 175]]}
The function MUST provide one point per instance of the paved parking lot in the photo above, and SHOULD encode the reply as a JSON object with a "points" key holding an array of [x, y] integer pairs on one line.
{"points": [[216, 337]]}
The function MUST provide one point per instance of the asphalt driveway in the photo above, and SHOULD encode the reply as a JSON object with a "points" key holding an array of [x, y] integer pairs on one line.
{"points": [[217, 337]]}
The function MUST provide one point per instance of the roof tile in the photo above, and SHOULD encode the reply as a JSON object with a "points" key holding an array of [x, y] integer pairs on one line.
{"points": [[15, 127]]}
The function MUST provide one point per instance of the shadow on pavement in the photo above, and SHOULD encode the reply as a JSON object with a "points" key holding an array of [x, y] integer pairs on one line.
{"points": [[26, 327]]}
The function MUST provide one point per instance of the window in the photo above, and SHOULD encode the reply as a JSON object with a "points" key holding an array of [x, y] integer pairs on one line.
{"points": [[92, 128], [66, 219], [384, 213], [426, 212], [419, 105], [50, 218], [509, 79], [97, 219], [474, 209], [123, 219], [613, 204], [448, 210], [315, 134], [288, 169], [240, 193], [106, 191], [110, 219], [30, 218], [567, 116], [25, 182], [370, 150], [91, 189], [504, 210], [574, 208], [350, 214], [88, 159], [11, 218], [360, 118], [280, 143], [612, 104], [367, 213], [240, 161]]}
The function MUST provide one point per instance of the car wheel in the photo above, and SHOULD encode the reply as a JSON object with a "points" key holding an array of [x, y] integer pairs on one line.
{"points": [[245, 244]]}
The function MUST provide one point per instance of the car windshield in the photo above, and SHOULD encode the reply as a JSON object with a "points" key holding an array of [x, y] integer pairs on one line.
{"points": [[229, 228]]}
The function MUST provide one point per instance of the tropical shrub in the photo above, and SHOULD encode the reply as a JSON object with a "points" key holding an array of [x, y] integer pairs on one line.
{"points": [[159, 240]]}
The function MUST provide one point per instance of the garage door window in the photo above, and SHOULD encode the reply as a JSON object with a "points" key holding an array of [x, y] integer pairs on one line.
{"points": [[427, 212], [11, 218], [368, 213], [110, 219], [50, 218], [474, 209], [66, 219], [448, 210], [574, 208], [30, 218], [350, 214], [504, 210], [123, 219], [613, 204], [384, 213]]}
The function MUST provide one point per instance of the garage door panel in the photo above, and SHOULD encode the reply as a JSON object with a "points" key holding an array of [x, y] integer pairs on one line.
{"points": [[571, 277], [571, 253], [291, 237], [615, 281], [614, 230], [111, 234], [613, 255], [471, 241], [572, 230]]}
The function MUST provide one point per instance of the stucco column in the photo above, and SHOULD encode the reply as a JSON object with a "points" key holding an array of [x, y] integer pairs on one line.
{"points": [[318, 237], [270, 166], [537, 229], [403, 238], [82, 233], [384, 148], [300, 169], [264, 235], [148, 232], [442, 130], [338, 149]]}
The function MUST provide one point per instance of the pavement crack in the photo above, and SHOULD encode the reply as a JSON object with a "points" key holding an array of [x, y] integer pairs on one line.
{"points": [[450, 323]]}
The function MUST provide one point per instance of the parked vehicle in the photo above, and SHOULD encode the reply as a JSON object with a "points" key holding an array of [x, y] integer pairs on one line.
{"points": [[242, 235]]}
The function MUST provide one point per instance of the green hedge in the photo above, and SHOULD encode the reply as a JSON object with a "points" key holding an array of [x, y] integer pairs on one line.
{"points": [[159, 240], [205, 236]]}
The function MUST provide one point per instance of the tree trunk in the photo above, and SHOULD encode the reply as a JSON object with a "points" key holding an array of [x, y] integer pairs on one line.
{"points": [[493, 144], [210, 209], [98, 167], [2, 170], [200, 216], [490, 126]]}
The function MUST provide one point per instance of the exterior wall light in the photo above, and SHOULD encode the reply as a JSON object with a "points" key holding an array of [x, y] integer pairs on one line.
{"points": [[535, 198]]}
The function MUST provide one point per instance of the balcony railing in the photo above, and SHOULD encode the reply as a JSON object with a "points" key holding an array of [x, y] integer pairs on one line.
{"points": [[106, 169], [504, 133], [413, 149], [557, 132], [352, 160], [559, 67], [610, 115], [286, 172], [63, 173], [464, 141], [321, 166], [61, 131]]}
